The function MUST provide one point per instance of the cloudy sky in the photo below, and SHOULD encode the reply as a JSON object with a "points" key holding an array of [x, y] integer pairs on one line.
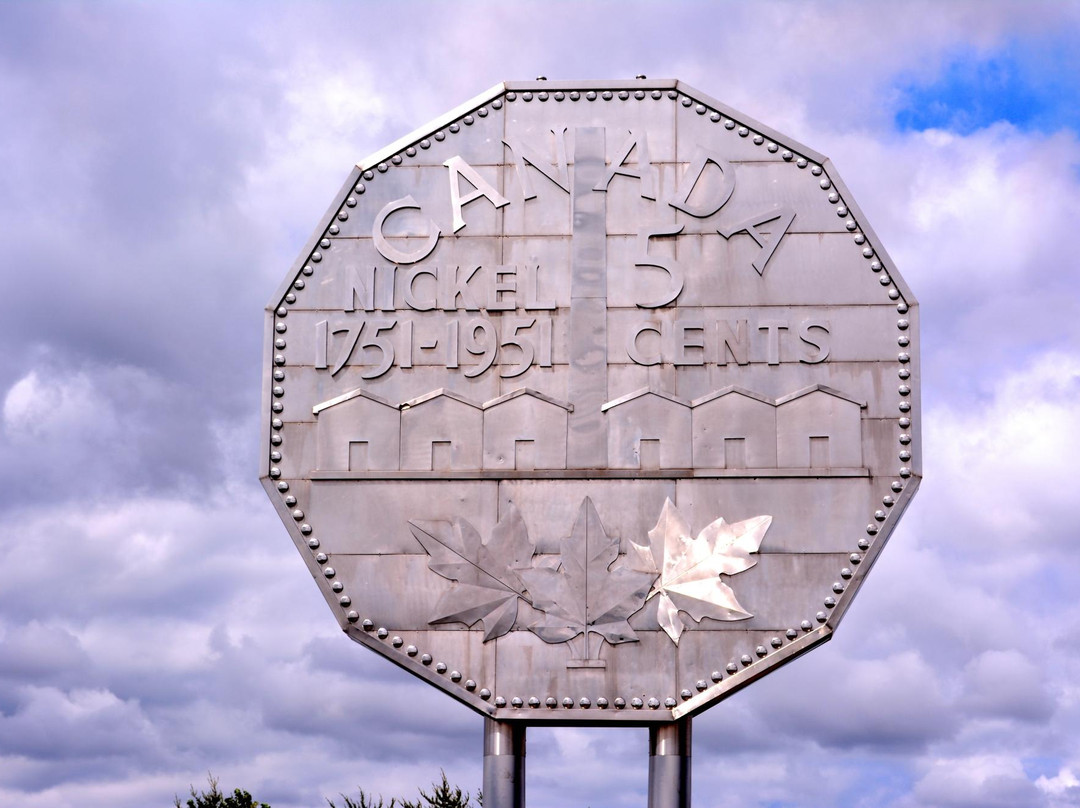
{"points": [[162, 164]]}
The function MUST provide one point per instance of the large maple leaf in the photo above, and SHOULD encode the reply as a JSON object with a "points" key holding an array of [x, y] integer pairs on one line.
{"points": [[580, 593], [689, 569], [486, 574]]}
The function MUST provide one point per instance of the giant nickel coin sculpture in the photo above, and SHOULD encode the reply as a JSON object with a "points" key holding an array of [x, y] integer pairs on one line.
{"points": [[591, 402]]}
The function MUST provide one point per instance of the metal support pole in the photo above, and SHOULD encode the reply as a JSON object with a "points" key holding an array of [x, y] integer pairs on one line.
{"points": [[504, 764], [669, 765]]}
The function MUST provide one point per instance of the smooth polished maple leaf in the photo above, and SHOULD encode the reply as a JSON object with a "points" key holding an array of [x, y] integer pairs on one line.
{"points": [[580, 593], [689, 569], [486, 574]]}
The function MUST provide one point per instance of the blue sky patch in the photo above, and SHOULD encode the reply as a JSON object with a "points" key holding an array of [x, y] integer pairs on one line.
{"points": [[1032, 85]]}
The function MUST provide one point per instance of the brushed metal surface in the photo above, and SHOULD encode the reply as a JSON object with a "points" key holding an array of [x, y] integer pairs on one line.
{"points": [[560, 319]]}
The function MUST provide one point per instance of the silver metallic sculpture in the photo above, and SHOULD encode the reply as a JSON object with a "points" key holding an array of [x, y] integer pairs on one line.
{"points": [[591, 402]]}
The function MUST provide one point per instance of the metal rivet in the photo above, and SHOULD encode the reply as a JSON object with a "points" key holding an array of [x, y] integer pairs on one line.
{"points": [[761, 650], [396, 159], [591, 96], [654, 703], [639, 94], [830, 602], [329, 572], [806, 625], [275, 473], [758, 140], [575, 95], [282, 311], [903, 341], [773, 148], [834, 197], [776, 642], [305, 528], [585, 702], [636, 703], [821, 617], [470, 684], [411, 650], [902, 308], [526, 96], [276, 440], [905, 439], [426, 659], [850, 225], [367, 625], [894, 294], [731, 667], [791, 634], [714, 117], [669, 702], [801, 162], [868, 252], [382, 168], [672, 94], [602, 703], [322, 558], [897, 486], [411, 151], [440, 136], [904, 373], [368, 175], [397, 642], [279, 343], [701, 109], [426, 144], [298, 514], [344, 600], [281, 328], [497, 103], [567, 702], [657, 94], [825, 183], [316, 257], [838, 588], [746, 659], [542, 96], [352, 617], [786, 155], [440, 667], [743, 131], [841, 211], [905, 455], [902, 324], [716, 676], [324, 243], [455, 676], [516, 702], [904, 422], [872, 529], [860, 238], [701, 684], [337, 586], [551, 702], [485, 694], [343, 215], [905, 472], [903, 357], [880, 515], [277, 424], [623, 95], [277, 406], [559, 96], [500, 701], [855, 558], [533, 701], [620, 703], [729, 124], [313, 543], [382, 633], [468, 120], [904, 406], [904, 390], [454, 128], [686, 101]]}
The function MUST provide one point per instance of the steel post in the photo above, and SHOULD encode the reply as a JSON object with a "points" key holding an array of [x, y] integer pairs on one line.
{"points": [[669, 765], [504, 764]]}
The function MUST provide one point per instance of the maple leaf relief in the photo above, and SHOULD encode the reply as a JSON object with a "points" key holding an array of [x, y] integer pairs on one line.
{"points": [[487, 575], [689, 569], [581, 593]]}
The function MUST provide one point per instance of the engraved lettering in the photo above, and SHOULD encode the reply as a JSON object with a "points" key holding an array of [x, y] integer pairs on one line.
{"points": [[361, 289], [412, 300], [481, 188], [684, 341], [454, 283], [524, 155], [514, 325], [451, 345], [530, 287], [406, 354], [690, 179], [321, 337], [635, 353], [669, 265], [501, 293], [485, 347], [734, 343], [820, 343], [645, 172], [390, 252], [783, 218], [544, 327], [772, 345]]}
